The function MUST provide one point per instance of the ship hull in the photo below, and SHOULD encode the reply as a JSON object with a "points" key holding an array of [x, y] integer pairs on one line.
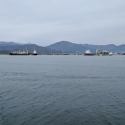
{"points": [[88, 54], [106, 54], [34, 54], [18, 54]]}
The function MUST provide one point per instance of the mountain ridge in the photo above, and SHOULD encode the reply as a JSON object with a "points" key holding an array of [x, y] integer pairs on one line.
{"points": [[59, 47], [6, 49], [73, 47]]}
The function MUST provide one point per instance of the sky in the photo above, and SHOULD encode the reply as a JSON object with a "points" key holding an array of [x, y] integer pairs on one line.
{"points": [[44, 22]]}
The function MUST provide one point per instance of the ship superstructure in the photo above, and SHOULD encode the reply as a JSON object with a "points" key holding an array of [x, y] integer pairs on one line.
{"points": [[105, 53], [34, 52], [88, 53]]}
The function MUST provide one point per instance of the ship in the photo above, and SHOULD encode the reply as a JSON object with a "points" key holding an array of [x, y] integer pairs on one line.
{"points": [[105, 53], [34, 52], [88, 53], [20, 52], [23, 52]]}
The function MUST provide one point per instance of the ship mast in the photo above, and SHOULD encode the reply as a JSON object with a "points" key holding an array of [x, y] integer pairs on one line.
{"points": [[19, 52], [97, 52], [26, 50]]}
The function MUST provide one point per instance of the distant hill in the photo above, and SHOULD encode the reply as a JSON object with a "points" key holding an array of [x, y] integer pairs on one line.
{"points": [[72, 47], [120, 48], [3, 43], [58, 48], [6, 49], [66, 46], [102, 47]]}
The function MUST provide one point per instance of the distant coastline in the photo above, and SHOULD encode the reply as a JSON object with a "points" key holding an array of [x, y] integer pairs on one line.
{"points": [[60, 48]]}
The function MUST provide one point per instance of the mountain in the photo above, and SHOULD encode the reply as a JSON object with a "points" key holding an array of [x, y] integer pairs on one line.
{"points": [[2, 43], [6, 49], [102, 47], [58, 48], [120, 48], [66, 46]]}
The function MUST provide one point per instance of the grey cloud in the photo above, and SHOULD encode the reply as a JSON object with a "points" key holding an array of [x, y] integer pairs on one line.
{"points": [[44, 22]]}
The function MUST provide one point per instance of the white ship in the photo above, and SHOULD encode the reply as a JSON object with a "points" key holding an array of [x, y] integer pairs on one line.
{"points": [[34, 52], [88, 53]]}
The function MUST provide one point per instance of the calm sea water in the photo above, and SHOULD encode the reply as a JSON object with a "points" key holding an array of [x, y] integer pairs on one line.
{"points": [[62, 90]]}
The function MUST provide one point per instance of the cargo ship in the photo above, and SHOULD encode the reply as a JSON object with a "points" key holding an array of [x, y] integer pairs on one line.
{"points": [[106, 53], [23, 52]]}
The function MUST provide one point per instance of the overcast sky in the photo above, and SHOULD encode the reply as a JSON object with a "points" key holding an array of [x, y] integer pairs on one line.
{"points": [[44, 22]]}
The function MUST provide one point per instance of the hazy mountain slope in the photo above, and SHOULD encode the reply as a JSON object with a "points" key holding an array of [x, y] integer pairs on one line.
{"points": [[3, 43], [59, 47], [31, 47], [120, 48], [72, 47], [67, 47]]}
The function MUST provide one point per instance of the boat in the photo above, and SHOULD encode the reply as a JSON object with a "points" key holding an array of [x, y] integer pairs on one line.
{"points": [[110, 53], [23, 52], [88, 53], [34, 52], [20, 52], [105, 53]]}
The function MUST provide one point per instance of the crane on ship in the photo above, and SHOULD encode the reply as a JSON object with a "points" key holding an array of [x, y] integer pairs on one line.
{"points": [[97, 50]]}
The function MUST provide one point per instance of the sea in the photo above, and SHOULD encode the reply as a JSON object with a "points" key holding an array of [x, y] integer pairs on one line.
{"points": [[62, 90]]}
